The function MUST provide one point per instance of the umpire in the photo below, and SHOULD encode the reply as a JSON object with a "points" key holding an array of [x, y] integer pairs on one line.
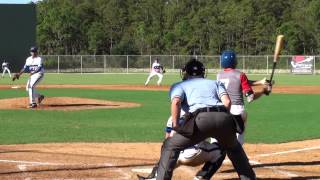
{"points": [[208, 105]]}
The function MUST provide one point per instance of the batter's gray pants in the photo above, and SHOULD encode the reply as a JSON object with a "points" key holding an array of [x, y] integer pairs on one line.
{"points": [[219, 125]]}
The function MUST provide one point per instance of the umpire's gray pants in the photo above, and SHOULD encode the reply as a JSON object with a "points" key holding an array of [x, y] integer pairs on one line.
{"points": [[219, 125]]}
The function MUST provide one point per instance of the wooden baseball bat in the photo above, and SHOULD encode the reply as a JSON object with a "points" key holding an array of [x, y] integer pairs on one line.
{"points": [[277, 50]]}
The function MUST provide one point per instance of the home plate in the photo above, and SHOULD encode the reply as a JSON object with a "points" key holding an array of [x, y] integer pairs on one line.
{"points": [[22, 167], [140, 170], [15, 87]]}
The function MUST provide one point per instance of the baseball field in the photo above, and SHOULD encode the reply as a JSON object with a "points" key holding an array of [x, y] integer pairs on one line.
{"points": [[110, 126]]}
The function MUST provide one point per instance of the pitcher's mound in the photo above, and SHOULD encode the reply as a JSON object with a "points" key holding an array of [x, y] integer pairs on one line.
{"points": [[65, 103]]}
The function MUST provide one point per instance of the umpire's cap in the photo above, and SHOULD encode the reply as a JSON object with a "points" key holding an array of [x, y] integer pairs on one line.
{"points": [[34, 49], [228, 59], [193, 68]]}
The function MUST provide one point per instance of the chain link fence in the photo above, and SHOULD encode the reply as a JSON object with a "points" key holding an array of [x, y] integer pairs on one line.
{"points": [[172, 63]]}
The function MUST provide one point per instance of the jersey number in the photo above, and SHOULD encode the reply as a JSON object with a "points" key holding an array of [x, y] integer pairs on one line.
{"points": [[225, 82]]}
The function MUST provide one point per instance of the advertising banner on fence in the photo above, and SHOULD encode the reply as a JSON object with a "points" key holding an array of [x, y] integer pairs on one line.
{"points": [[302, 64]]}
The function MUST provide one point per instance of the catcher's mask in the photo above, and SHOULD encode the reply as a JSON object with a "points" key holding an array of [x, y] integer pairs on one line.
{"points": [[192, 68]]}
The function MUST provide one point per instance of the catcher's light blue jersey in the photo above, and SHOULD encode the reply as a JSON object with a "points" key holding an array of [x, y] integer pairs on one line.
{"points": [[199, 92]]}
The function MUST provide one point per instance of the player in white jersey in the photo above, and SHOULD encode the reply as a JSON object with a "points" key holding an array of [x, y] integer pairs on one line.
{"points": [[33, 66], [5, 68], [156, 70]]}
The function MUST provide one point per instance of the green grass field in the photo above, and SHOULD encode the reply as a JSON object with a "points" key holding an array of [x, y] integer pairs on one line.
{"points": [[273, 119], [282, 79]]}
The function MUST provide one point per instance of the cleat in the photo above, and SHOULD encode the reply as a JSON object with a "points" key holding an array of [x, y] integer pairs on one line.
{"points": [[151, 176], [40, 99], [32, 106], [210, 168], [145, 178]]}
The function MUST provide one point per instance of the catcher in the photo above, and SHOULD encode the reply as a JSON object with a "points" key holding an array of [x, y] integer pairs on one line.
{"points": [[34, 67], [192, 156]]}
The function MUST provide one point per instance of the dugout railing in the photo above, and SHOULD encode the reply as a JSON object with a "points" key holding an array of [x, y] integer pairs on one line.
{"points": [[172, 63]]}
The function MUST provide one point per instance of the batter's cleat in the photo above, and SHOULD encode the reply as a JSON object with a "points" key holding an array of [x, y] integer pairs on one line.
{"points": [[199, 178], [40, 99], [33, 105], [144, 178], [151, 176]]}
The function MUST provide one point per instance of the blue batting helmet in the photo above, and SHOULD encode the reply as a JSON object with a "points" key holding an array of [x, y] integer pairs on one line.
{"points": [[228, 59]]}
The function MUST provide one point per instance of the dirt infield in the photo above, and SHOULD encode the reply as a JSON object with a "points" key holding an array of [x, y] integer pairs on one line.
{"points": [[294, 160], [65, 104], [276, 89], [68, 103]]}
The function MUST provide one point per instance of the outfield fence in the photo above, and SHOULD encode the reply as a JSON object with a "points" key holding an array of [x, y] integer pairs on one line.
{"points": [[172, 63]]}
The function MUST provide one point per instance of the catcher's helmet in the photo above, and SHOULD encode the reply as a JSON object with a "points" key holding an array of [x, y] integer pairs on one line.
{"points": [[33, 49], [193, 68], [228, 59]]}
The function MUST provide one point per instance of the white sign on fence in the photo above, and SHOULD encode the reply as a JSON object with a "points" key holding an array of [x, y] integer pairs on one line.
{"points": [[302, 64]]}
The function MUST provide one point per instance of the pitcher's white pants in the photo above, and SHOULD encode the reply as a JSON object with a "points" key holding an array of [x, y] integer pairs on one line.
{"points": [[31, 86], [160, 76], [4, 71]]}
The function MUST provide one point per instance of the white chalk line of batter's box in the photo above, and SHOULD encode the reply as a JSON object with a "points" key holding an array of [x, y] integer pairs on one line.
{"points": [[287, 173], [28, 162], [22, 165], [142, 170], [287, 152], [274, 169], [34, 163]]}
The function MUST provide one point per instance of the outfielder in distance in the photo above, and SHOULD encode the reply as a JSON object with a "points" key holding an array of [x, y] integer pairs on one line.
{"points": [[5, 68], [156, 70], [34, 66]]}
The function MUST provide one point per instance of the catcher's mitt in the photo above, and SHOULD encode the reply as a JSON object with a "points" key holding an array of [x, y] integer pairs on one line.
{"points": [[163, 71], [15, 77]]}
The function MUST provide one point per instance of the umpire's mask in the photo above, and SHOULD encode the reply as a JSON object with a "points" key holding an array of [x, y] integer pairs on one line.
{"points": [[192, 68]]}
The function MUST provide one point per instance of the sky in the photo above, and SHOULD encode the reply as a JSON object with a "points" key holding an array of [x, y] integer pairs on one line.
{"points": [[16, 1]]}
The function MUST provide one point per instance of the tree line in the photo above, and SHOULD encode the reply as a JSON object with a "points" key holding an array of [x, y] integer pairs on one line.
{"points": [[201, 27]]}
